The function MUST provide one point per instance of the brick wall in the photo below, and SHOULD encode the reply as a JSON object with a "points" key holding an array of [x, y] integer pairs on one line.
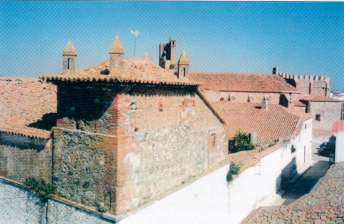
{"points": [[22, 157], [165, 138]]}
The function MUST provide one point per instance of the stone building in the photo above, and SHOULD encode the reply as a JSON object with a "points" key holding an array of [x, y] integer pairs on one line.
{"points": [[123, 133], [315, 85], [244, 88], [315, 99]]}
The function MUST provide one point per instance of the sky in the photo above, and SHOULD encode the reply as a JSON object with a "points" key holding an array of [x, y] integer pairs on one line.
{"points": [[300, 38]]}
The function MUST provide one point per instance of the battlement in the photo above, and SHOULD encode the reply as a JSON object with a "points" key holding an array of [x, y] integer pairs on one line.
{"points": [[303, 77]]}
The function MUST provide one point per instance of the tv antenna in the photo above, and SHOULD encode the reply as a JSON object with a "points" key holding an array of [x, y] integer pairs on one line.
{"points": [[135, 34]]}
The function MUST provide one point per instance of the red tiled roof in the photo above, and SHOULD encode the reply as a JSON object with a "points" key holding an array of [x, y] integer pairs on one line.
{"points": [[319, 99], [24, 101], [26, 132], [338, 126], [130, 71], [268, 124], [242, 82]]}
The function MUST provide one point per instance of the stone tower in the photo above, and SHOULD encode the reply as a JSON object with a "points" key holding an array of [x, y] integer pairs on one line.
{"points": [[183, 66], [116, 54], [167, 54], [69, 58]]}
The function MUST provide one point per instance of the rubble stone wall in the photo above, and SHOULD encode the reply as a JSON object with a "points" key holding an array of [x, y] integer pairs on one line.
{"points": [[84, 167]]}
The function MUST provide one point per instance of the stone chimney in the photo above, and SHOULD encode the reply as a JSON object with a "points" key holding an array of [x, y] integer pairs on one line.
{"points": [[116, 54], [69, 58], [183, 66], [275, 70]]}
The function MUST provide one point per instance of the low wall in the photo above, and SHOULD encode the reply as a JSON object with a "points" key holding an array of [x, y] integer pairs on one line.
{"points": [[19, 206], [212, 200], [23, 157]]}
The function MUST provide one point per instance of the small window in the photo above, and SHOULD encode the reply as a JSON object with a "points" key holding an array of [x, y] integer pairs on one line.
{"points": [[212, 140], [293, 149], [317, 117], [161, 107], [222, 99]]}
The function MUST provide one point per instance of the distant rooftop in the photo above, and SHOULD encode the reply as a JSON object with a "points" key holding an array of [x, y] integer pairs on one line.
{"points": [[242, 82], [270, 124]]}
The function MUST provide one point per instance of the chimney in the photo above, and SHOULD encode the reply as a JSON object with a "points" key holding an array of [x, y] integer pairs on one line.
{"points": [[253, 138], [183, 66], [275, 70], [69, 58], [116, 53], [265, 103]]}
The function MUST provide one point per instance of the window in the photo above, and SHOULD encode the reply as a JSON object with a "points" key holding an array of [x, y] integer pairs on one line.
{"points": [[69, 63], [212, 140], [293, 149], [342, 112], [222, 99], [317, 117]]}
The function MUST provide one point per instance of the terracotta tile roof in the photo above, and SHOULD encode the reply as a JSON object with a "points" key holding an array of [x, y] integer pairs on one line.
{"points": [[131, 71], [26, 132], [24, 101], [233, 82], [319, 99], [269, 124], [338, 126]]}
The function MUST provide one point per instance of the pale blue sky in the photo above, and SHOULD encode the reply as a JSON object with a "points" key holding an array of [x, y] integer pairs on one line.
{"points": [[305, 38]]}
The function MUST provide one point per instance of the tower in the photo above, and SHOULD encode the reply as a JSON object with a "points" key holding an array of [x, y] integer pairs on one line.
{"points": [[116, 54], [167, 54], [183, 66], [275, 70], [69, 58]]}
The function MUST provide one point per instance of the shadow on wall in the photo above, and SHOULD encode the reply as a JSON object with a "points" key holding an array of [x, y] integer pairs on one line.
{"points": [[287, 174], [47, 121], [327, 149]]}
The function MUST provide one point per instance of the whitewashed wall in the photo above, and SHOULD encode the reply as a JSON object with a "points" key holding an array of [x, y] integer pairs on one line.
{"points": [[339, 147], [211, 200], [18, 206]]}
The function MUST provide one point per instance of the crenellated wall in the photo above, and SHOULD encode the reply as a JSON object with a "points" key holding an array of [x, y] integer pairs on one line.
{"points": [[316, 85]]}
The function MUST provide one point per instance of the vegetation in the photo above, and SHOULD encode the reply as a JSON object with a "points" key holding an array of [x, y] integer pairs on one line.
{"points": [[233, 170], [241, 142], [40, 187]]}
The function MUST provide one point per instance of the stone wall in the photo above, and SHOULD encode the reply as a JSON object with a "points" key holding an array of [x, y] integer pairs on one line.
{"points": [[329, 112], [242, 97], [84, 167], [22, 157], [165, 137]]}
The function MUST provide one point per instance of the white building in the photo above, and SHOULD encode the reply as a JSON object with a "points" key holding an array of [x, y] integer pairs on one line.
{"points": [[338, 131]]}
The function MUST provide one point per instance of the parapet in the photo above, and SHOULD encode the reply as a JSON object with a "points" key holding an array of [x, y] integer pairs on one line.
{"points": [[303, 77]]}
